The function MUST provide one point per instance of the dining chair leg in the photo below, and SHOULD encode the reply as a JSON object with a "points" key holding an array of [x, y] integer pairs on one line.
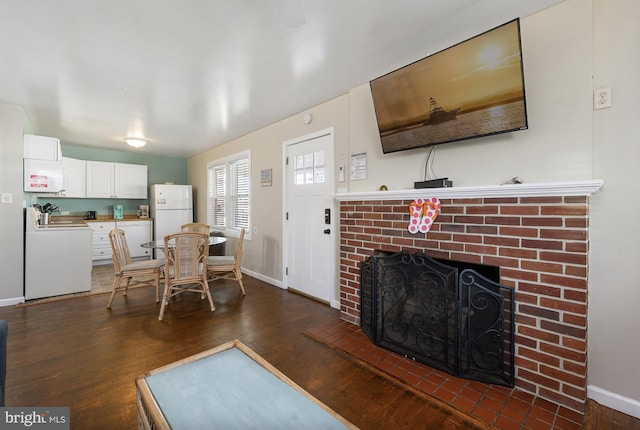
{"points": [[156, 278], [126, 287], [206, 289], [115, 286], [165, 299], [239, 277]]}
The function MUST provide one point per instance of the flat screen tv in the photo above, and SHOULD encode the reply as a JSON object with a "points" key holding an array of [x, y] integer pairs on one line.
{"points": [[472, 89]]}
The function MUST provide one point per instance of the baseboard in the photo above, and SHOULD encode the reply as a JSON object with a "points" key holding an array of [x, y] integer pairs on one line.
{"points": [[334, 303], [615, 401], [263, 278], [11, 302]]}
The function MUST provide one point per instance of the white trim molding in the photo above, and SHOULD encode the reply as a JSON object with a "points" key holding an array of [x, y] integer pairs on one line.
{"points": [[11, 302], [543, 189], [614, 401], [263, 278]]}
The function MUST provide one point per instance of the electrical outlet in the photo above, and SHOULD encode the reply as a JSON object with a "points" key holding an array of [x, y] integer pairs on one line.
{"points": [[602, 98], [64, 212]]}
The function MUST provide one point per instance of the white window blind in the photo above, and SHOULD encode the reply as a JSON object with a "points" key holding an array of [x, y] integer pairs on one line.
{"points": [[228, 193]]}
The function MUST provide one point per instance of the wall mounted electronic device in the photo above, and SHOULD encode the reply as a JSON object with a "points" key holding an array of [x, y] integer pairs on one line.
{"points": [[472, 89]]}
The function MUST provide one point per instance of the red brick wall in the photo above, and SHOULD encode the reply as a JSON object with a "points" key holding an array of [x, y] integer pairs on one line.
{"points": [[539, 243]]}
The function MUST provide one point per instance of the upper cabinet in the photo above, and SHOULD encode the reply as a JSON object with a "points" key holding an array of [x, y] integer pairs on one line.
{"points": [[42, 168], [130, 181], [74, 182], [116, 180], [42, 148]]}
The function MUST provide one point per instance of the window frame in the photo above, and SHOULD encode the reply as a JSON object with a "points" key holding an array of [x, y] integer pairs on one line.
{"points": [[230, 199]]}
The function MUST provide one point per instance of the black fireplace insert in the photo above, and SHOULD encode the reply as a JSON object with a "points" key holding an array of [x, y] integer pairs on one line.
{"points": [[446, 316]]}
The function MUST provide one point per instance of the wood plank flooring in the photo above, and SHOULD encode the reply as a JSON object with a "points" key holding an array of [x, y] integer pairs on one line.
{"points": [[76, 353]]}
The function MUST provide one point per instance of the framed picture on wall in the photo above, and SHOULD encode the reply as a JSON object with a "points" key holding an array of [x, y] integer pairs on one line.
{"points": [[265, 178]]}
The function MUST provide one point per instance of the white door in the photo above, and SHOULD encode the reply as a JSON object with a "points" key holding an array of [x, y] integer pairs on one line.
{"points": [[310, 217]]}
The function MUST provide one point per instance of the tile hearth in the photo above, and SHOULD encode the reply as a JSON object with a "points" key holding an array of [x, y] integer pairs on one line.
{"points": [[501, 407]]}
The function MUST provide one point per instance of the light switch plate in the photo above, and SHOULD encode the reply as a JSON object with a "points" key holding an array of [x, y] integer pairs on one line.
{"points": [[7, 198]]}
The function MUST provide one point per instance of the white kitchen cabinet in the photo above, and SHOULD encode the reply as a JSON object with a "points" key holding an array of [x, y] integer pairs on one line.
{"points": [[116, 180], [101, 246], [137, 232], [100, 179], [42, 148], [74, 183], [130, 181]]}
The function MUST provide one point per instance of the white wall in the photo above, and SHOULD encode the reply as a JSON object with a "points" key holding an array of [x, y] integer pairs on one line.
{"points": [[556, 46], [262, 255], [11, 214], [614, 293], [567, 49]]}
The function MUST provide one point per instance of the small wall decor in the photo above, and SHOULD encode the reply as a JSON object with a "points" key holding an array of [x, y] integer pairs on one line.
{"points": [[359, 166], [265, 178], [423, 212]]}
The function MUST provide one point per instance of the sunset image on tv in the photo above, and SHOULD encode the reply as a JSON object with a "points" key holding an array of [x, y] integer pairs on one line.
{"points": [[473, 89]]}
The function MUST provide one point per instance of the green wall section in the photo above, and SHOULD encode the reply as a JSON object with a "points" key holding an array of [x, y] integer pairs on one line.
{"points": [[159, 170]]}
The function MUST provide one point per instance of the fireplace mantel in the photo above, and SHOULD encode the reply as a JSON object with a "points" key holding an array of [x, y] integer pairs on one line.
{"points": [[542, 189]]}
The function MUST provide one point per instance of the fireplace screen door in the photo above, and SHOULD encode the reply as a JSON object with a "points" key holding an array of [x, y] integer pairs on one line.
{"points": [[454, 320]]}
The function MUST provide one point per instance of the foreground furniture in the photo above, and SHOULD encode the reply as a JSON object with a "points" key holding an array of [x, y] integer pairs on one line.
{"points": [[125, 269], [196, 227], [228, 387], [227, 266], [185, 270], [215, 248]]}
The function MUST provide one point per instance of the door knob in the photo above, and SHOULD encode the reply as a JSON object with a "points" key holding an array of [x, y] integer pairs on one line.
{"points": [[327, 231]]}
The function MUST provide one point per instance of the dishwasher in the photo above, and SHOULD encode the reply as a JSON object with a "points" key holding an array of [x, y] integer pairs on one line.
{"points": [[57, 257]]}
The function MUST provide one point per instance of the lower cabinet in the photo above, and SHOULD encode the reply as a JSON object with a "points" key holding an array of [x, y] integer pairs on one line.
{"points": [[136, 232], [101, 245]]}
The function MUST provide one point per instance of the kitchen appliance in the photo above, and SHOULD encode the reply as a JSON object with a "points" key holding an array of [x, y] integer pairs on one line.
{"points": [[171, 206], [91, 215], [143, 212], [118, 212], [57, 257], [43, 170]]}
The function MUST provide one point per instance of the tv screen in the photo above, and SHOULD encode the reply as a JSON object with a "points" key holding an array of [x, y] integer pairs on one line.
{"points": [[472, 89]]}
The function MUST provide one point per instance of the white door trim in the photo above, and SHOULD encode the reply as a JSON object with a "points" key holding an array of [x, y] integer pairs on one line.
{"points": [[335, 299]]}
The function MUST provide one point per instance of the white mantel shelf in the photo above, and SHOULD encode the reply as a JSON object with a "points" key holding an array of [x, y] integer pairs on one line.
{"points": [[543, 189]]}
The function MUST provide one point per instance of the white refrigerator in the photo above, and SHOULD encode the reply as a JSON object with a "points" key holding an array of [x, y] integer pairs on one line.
{"points": [[171, 206]]}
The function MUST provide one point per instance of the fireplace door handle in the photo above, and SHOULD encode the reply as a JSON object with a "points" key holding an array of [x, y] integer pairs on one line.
{"points": [[327, 231]]}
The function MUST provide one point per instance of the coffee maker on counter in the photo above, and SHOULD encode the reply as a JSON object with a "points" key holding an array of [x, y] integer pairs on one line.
{"points": [[118, 212], [143, 212]]}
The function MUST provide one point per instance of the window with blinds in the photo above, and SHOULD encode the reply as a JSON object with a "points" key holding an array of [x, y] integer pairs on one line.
{"points": [[228, 193]]}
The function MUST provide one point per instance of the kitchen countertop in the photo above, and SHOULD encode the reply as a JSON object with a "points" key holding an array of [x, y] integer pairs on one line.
{"points": [[100, 218]]}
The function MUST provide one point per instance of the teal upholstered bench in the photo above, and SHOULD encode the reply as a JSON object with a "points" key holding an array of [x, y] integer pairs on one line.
{"points": [[228, 387]]}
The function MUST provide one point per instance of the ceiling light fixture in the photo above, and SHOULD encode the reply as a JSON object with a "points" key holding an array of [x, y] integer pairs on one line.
{"points": [[136, 142]]}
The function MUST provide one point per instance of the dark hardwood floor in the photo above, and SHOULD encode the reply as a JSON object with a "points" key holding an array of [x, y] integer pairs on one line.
{"points": [[76, 353]]}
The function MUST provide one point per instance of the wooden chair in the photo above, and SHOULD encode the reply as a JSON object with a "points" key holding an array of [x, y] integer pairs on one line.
{"points": [[196, 227], [126, 269], [227, 266], [185, 269]]}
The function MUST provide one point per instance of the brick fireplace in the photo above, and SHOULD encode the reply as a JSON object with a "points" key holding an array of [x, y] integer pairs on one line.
{"points": [[538, 236]]}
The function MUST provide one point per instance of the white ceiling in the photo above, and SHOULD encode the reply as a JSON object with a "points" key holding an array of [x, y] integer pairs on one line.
{"points": [[192, 74]]}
